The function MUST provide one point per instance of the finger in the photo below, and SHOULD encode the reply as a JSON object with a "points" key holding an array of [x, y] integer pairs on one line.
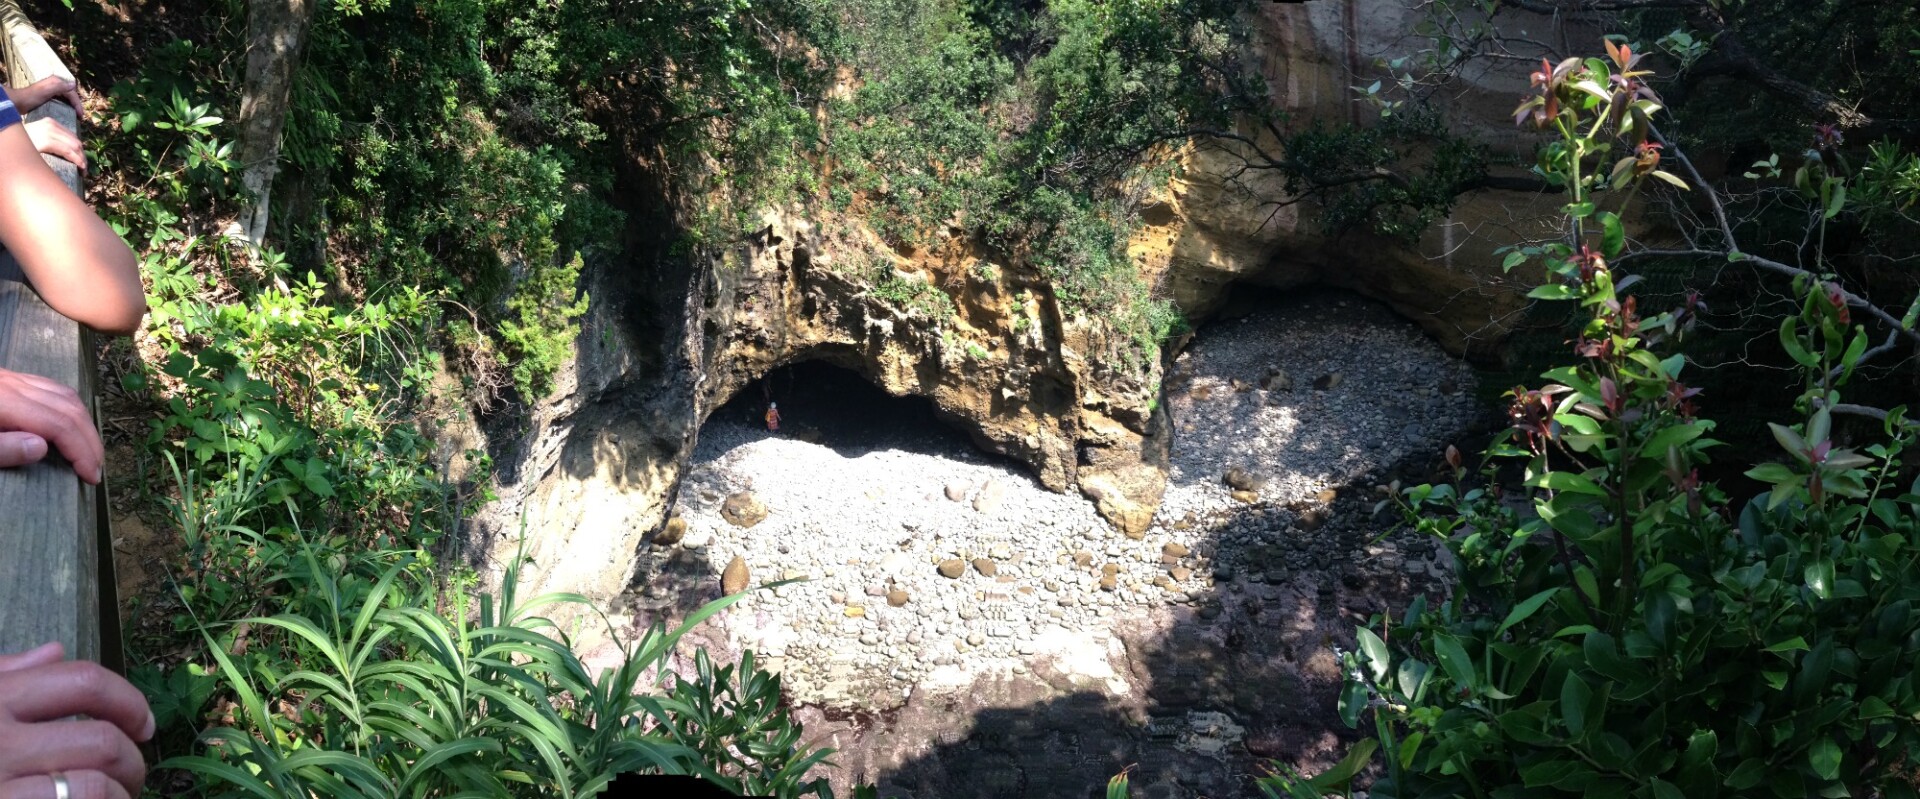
{"points": [[52, 139], [49, 652], [55, 412], [80, 785], [51, 410], [75, 688], [73, 746], [69, 148], [76, 440], [20, 449]]}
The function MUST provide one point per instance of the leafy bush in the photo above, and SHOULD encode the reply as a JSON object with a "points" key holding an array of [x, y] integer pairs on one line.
{"points": [[541, 333], [911, 296], [361, 689], [1622, 631]]}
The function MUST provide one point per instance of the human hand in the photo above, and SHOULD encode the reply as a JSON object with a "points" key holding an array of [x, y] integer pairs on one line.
{"points": [[51, 138], [27, 98], [97, 757], [34, 410]]}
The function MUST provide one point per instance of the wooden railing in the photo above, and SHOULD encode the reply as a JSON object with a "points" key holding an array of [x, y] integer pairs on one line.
{"points": [[56, 556]]}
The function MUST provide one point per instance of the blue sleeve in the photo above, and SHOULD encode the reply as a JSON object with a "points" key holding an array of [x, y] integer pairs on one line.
{"points": [[9, 116]]}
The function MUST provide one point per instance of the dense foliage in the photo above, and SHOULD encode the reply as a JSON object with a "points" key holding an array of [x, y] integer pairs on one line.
{"points": [[373, 693], [1751, 83], [440, 165], [1616, 627]]}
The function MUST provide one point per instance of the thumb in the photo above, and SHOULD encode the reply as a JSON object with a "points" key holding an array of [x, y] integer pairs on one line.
{"points": [[42, 655], [20, 449]]}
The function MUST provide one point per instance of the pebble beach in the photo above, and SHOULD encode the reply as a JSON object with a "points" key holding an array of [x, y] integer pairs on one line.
{"points": [[920, 558]]}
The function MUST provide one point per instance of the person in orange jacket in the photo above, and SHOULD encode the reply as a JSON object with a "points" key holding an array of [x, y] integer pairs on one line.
{"points": [[773, 417]]}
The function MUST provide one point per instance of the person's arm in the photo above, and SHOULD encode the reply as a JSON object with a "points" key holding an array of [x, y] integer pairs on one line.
{"points": [[48, 135], [40, 692], [79, 266], [27, 98]]}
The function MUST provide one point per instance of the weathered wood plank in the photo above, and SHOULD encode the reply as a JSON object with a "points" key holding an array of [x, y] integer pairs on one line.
{"points": [[55, 555], [29, 57], [49, 552]]}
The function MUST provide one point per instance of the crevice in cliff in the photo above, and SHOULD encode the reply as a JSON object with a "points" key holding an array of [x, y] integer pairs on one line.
{"points": [[826, 404]]}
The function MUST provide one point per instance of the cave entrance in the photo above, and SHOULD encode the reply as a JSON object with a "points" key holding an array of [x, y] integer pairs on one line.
{"points": [[823, 404]]}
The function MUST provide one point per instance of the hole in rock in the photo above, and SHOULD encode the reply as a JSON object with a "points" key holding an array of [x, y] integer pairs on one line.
{"points": [[820, 403]]}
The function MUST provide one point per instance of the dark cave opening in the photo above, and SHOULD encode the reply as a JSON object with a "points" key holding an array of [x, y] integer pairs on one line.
{"points": [[825, 404]]}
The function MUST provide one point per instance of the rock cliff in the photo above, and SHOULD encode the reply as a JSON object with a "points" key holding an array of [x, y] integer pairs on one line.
{"points": [[591, 469]]}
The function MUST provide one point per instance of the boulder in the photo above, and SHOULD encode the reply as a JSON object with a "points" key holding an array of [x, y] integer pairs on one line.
{"points": [[989, 498], [743, 510], [1240, 479], [670, 534], [734, 579], [1277, 379]]}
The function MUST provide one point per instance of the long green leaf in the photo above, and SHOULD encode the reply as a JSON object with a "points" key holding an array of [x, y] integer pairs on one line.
{"points": [[341, 762], [1526, 609], [226, 772], [432, 758]]}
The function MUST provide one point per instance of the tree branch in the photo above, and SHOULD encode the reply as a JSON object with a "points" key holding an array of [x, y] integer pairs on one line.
{"points": [[1893, 340], [1869, 412], [1731, 55], [1733, 252]]}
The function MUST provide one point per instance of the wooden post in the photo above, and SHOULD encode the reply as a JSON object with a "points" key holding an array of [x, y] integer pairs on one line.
{"points": [[56, 557]]}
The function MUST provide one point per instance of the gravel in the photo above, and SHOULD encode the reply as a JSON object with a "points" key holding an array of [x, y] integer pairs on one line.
{"points": [[863, 523]]}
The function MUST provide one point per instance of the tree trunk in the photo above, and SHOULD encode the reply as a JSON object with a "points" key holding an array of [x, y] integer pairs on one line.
{"points": [[276, 35]]}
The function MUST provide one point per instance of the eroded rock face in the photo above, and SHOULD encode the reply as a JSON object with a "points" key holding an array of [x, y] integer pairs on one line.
{"points": [[985, 343], [1216, 226], [591, 470]]}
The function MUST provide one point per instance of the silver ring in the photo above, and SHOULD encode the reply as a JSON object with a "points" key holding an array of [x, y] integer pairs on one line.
{"points": [[60, 788]]}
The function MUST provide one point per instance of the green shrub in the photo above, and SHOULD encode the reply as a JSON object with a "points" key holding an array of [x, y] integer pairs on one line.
{"points": [[1622, 632], [911, 296], [540, 335], [1019, 123], [361, 688]]}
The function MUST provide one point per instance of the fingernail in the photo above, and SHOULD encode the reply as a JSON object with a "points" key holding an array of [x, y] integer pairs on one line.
{"points": [[146, 733]]}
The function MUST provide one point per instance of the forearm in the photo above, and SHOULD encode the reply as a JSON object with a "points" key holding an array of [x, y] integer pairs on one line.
{"points": [[75, 261]]}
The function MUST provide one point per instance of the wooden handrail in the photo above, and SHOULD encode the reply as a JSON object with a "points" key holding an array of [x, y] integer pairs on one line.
{"points": [[56, 557]]}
